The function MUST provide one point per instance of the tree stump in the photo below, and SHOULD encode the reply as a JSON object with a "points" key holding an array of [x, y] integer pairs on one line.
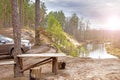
{"points": [[35, 73], [61, 65]]}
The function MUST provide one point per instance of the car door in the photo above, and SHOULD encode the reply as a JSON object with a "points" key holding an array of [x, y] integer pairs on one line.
{"points": [[5, 48]]}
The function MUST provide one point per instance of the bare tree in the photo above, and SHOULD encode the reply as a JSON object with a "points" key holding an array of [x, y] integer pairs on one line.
{"points": [[17, 37], [37, 22]]}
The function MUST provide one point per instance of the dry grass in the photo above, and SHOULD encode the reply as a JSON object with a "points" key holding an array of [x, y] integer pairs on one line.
{"points": [[112, 50]]}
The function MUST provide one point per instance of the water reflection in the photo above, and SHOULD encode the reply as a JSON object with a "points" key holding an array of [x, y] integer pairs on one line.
{"points": [[95, 51]]}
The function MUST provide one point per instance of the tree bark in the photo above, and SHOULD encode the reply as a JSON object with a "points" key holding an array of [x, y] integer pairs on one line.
{"points": [[17, 37], [37, 22], [21, 13]]}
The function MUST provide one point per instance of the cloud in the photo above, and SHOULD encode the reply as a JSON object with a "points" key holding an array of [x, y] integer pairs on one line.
{"points": [[97, 10]]}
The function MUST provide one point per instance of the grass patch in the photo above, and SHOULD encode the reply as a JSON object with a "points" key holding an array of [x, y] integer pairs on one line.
{"points": [[112, 50]]}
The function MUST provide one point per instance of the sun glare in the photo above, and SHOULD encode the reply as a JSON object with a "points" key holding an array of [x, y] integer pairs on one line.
{"points": [[113, 23]]}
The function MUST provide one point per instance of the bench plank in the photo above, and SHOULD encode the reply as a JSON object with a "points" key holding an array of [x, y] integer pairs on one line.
{"points": [[7, 63], [42, 55]]}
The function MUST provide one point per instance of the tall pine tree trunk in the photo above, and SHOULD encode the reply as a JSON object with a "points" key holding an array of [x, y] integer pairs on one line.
{"points": [[17, 37], [37, 22], [21, 13]]}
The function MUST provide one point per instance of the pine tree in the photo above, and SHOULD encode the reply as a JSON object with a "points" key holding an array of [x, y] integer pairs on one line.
{"points": [[17, 37], [37, 22]]}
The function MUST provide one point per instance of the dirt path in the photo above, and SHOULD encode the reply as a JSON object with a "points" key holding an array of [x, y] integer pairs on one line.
{"points": [[76, 69]]}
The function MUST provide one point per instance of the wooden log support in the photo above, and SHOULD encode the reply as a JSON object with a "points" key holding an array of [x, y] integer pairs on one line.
{"points": [[35, 73], [54, 65]]}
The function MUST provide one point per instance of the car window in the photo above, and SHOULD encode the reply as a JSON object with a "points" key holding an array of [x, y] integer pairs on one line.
{"points": [[6, 39]]}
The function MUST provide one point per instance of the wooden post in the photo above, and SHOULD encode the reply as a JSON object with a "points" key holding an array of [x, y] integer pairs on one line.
{"points": [[54, 65], [35, 73]]}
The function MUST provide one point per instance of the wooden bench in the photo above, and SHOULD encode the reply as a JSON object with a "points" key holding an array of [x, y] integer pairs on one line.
{"points": [[51, 57]]}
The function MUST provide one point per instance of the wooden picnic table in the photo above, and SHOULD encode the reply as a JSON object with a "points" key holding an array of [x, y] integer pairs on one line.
{"points": [[50, 57]]}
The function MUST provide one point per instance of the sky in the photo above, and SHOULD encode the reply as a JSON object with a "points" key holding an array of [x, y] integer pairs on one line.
{"points": [[103, 14]]}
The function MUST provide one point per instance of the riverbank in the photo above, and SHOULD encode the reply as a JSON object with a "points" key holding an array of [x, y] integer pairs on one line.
{"points": [[112, 50]]}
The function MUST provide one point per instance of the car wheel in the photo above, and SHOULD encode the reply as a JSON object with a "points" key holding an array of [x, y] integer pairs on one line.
{"points": [[12, 52]]}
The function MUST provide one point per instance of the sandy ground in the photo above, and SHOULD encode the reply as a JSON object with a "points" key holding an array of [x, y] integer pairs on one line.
{"points": [[76, 69]]}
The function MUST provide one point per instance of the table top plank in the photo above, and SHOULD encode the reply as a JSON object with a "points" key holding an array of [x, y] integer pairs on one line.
{"points": [[42, 55]]}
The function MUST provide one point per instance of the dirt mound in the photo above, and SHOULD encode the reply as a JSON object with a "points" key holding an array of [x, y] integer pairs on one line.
{"points": [[25, 33], [28, 34], [7, 32]]}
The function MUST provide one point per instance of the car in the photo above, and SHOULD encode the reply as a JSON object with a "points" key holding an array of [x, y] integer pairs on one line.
{"points": [[7, 45]]}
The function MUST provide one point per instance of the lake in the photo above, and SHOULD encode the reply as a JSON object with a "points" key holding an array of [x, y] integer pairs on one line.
{"points": [[95, 51]]}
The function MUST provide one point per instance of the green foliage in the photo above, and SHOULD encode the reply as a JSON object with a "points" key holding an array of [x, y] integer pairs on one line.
{"points": [[28, 15], [74, 20], [71, 25], [29, 12], [42, 14], [5, 12], [59, 15], [83, 51], [59, 38], [54, 27]]}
